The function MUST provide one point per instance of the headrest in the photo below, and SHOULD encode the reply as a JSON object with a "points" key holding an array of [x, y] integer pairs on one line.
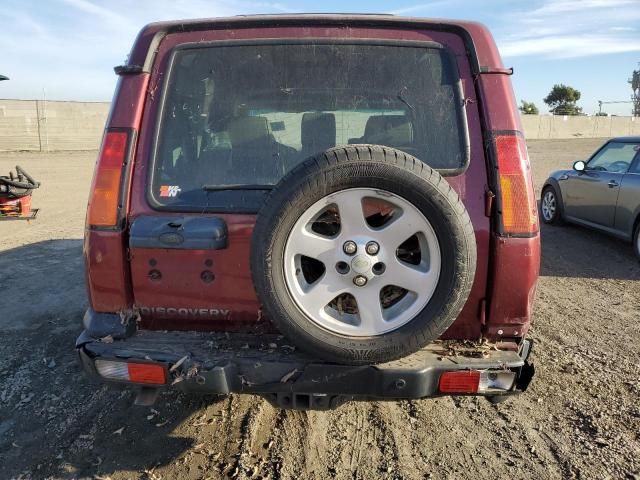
{"points": [[318, 130], [380, 123], [391, 130], [243, 130]]}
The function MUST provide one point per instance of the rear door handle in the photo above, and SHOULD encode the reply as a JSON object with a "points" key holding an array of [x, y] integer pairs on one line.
{"points": [[613, 184]]}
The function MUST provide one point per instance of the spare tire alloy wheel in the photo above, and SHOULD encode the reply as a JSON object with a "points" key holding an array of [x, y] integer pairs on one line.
{"points": [[358, 263], [363, 254]]}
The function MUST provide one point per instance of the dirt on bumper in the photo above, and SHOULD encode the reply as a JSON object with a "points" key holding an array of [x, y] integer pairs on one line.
{"points": [[266, 365]]}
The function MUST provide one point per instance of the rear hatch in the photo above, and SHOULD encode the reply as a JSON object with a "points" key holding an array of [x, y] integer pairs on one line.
{"points": [[233, 110]]}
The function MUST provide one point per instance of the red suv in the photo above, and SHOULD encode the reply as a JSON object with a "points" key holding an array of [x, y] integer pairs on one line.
{"points": [[312, 208]]}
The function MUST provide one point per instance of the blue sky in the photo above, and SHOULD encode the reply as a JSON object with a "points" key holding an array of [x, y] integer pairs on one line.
{"points": [[67, 48]]}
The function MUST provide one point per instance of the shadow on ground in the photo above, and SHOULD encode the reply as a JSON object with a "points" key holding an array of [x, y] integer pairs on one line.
{"points": [[39, 282], [571, 251], [53, 420]]}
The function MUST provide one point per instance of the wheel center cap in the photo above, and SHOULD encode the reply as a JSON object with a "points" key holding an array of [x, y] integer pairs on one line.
{"points": [[361, 264]]}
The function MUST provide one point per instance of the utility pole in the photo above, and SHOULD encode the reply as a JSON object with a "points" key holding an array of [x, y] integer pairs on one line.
{"points": [[635, 88], [44, 119]]}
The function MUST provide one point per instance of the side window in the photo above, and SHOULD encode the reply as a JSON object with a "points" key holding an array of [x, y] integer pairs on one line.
{"points": [[635, 167], [615, 157]]}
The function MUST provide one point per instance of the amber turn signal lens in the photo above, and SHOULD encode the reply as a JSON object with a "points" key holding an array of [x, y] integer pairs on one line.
{"points": [[105, 189], [519, 207]]}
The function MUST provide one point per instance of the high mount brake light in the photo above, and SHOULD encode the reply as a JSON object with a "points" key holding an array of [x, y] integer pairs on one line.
{"points": [[519, 207], [107, 179]]}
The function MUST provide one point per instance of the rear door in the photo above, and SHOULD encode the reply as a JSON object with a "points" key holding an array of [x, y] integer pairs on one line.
{"points": [[592, 195], [235, 111]]}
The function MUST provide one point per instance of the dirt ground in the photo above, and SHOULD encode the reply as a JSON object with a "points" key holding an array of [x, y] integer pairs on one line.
{"points": [[579, 419]]}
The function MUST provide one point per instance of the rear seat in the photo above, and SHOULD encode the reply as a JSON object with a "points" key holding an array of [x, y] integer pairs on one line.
{"points": [[389, 130], [254, 158], [318, 133]]}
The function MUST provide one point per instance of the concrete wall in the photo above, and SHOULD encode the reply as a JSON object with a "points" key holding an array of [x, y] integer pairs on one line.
{"points": [[548, 126], [50, 125]]}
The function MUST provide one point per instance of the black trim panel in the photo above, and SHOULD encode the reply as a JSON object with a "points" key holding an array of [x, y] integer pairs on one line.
{"points": [[178, 233]]}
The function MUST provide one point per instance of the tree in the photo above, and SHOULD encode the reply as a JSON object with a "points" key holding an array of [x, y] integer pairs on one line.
{"points": [[528, 108], [562, 100]]}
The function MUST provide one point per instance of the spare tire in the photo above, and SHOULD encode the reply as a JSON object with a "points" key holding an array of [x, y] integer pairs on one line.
{"points": [[363, 254]]}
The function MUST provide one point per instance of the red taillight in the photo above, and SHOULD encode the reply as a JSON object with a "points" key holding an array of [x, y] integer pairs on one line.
{"points": [[105, 189], [146, 373], [518, 203], [462, 381]]}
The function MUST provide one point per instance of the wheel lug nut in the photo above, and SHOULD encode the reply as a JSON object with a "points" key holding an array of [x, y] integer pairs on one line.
{"points": [[372, 248], [349, 247], [360, 281]]}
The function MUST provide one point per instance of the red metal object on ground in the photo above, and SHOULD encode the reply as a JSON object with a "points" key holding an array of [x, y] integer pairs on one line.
{"points": [[15, 196]]}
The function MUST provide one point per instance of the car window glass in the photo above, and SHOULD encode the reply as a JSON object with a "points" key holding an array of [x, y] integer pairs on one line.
{"points": [[244, 115], [635, 167], [615, 157]]}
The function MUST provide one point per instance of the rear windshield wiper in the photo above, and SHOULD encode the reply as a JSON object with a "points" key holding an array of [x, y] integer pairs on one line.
{"points": [[239, 186]]}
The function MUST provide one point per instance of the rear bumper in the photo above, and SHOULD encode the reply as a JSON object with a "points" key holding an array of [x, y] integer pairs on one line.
{"points": [[267, 366]]}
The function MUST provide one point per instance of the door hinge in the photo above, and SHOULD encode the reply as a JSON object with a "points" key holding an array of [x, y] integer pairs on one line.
{"points": [[483, 311], [496, 70], [488, 202]]}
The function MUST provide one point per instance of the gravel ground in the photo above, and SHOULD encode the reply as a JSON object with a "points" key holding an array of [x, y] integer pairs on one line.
{"points": [[579, 419]]}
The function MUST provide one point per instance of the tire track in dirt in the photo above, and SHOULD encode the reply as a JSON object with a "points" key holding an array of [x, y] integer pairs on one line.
{"points": [[354, 442], [398, 421], [249, 459]]}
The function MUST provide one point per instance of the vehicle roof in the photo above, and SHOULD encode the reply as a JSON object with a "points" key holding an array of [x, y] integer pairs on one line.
{"points": [[477, 37], [630, 139]]}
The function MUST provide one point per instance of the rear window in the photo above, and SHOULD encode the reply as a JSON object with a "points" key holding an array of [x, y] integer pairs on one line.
{"points": [[236, 118]]}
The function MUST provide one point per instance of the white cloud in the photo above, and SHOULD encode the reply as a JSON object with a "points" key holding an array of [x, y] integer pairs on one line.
{"points": [[559, 46], [622, 29], [567, 6], [69, 47], [420, 7], [101, 12], [571, 28]]}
